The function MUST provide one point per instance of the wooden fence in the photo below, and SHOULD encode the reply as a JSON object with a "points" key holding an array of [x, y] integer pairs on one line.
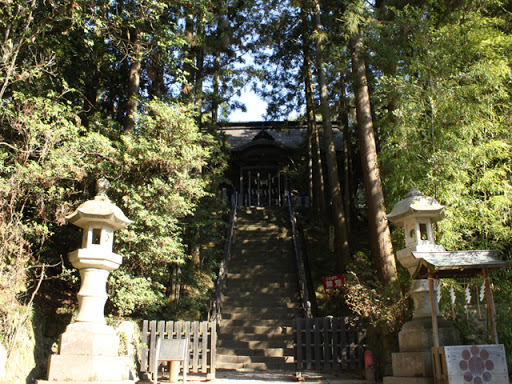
{"points": [[202, 338], [329, 343]]}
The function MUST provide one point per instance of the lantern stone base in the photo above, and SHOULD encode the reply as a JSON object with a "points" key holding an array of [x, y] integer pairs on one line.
{"points": [[413, 364], [416, 335], [88, 368], [89, 353], [89, 339]]}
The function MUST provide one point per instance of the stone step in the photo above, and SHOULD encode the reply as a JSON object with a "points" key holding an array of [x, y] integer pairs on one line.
{"points": [[263, 256], [255, 344], [280, 313], [266, 271], [259, 283], [271, 330], [251, 322], [252, 266], [258, 278], [256, 366], [234, 310], [263, 300], [258, 228], [258, 307], [274, 275], [259, 301], [268, 352], [253, 234], [260, 337], [267, 360], [271, 275], [269, 238], [250, 292], [243, 319], [265, 274]]}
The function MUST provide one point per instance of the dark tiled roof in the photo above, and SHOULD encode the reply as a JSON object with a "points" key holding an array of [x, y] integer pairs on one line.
{"points": [[289, 135]]}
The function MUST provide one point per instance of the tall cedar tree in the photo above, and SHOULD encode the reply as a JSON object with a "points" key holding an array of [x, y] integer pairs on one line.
{"points": [[341, 233], [380, 238]]}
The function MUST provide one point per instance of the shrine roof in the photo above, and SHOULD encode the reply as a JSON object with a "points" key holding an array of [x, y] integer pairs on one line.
{"points": [[456, 263], [284, 134]]}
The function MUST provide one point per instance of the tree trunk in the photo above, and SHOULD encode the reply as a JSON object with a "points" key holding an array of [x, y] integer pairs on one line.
{"points": [[133, 82], [200, 74], [318, 196], [380, 237], [347, 153], [222, 45], [342, 246], [216, 88], [188, 65]]}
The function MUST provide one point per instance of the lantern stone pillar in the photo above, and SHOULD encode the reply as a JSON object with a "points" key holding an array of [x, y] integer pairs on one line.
{"points": [[88, 349], [413, 364]]}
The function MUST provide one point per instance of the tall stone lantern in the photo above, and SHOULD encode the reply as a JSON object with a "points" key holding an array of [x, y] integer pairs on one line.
{"points": [[89, 347], [413, 364]]}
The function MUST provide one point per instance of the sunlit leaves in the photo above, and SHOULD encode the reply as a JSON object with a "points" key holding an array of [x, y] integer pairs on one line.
{"points": [[452, 134]]}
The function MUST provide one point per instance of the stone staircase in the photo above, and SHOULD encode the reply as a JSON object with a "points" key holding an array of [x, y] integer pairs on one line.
{"points": [[260, 296]]}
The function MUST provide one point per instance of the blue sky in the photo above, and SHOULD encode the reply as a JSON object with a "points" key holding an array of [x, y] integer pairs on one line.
{"points": [[256, 108]]}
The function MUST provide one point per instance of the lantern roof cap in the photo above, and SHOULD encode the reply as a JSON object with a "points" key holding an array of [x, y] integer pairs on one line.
{"points": [[100, 209], [415, 204]]}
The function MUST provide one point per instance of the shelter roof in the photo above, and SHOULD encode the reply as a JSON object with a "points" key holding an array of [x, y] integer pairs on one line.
{"points": [[456, 263]]}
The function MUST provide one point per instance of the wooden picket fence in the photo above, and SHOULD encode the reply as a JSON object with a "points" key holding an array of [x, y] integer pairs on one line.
{"points": [[329, 343], [202, 338]]}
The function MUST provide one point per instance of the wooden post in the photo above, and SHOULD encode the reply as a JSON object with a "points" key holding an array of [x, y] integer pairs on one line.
{"points": [[242, 184], [435, 330], [490, 307], [269, 190], [213, 349], [258, 191], [174, 371], [145, 350], [249, 189], [279, 186]]}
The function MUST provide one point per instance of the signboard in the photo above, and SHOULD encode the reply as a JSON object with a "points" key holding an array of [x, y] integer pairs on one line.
{"points": [[334, 282], [473, 364]]}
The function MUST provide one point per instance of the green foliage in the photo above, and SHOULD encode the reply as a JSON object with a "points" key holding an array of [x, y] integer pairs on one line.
{"points": [[170, 153], [48, 159], [367, 298], [450, 137], [43, 158], [130, 293], [448, 133]]}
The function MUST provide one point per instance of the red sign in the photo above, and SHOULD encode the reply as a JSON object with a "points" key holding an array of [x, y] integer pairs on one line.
{"points": [[334, 282]]}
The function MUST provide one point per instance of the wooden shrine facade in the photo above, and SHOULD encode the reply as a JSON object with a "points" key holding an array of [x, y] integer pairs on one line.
{"points": [[260, 152]]}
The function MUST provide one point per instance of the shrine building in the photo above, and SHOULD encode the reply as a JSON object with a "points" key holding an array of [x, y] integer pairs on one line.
{"points": [[260, 151]]}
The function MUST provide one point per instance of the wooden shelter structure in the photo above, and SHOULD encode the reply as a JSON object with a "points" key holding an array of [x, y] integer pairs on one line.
{"points": [[476, 364]]}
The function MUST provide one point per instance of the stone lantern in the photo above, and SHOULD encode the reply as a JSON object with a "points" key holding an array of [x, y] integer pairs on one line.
{"points": [[415, 214], [89, 347], [413, 364]]}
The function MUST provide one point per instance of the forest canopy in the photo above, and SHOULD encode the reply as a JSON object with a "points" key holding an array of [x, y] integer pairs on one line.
{"points": [[135, 91]]}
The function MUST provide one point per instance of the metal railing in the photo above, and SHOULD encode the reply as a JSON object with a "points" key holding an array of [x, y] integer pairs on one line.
{"points": [[299, 261], [223, 270]]}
